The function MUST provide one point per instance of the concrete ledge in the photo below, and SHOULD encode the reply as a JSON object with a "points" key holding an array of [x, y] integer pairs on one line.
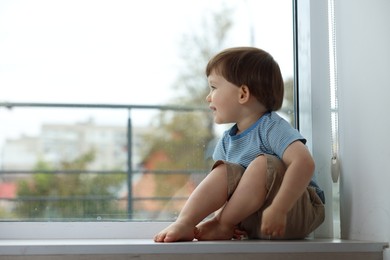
{"points": [[147, 246], [132, 240]]}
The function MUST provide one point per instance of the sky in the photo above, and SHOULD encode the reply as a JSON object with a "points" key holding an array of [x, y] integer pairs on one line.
{"points": [[113, 52]]}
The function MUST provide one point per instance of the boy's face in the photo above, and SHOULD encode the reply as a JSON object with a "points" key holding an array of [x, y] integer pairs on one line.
{"points": [[223, 99]]}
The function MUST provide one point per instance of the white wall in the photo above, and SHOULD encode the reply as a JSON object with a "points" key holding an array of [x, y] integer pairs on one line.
{"points": [[363, 60]]}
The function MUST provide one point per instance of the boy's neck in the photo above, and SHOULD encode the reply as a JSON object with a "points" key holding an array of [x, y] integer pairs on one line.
{"points": [[248, 121], [251, 111]]}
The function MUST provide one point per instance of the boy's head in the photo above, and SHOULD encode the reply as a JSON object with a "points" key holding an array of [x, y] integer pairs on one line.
{"points": [[254, 68]]}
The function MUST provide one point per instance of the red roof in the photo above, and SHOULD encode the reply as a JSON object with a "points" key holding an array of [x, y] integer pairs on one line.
{"points": [[7, 190]]}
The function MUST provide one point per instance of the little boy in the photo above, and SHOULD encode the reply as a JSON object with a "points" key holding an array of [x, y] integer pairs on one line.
{"points": [[260, 185]]}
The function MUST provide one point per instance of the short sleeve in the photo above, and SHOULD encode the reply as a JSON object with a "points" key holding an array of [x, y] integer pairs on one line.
{"points": [[279, 134]]}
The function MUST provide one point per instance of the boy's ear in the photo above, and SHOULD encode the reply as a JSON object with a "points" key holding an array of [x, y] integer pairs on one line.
{"points": [[244, 94]]}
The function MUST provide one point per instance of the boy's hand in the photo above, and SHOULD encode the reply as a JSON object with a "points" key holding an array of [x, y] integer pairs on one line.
{"points": [[273, 224]]}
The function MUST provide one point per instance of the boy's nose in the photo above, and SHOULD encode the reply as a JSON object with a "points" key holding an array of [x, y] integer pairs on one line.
{"points": [[208, 98]]}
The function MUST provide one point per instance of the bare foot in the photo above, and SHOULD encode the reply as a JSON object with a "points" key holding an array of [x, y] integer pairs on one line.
{"points": [[176, 232], [213, 230]]}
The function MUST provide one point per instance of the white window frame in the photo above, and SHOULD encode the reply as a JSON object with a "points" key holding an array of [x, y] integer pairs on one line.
{"points": [[312, 77]]}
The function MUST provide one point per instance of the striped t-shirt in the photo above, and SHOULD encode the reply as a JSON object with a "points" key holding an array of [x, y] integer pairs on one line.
{"points": [[271, 134]]}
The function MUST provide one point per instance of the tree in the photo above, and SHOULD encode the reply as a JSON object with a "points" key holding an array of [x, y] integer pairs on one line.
{"points": [[55, 195], [195, 52], [184, 137]]}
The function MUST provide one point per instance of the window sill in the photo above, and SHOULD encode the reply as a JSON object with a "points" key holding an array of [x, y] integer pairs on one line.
{"points": [[123, 240], [147, 246]]}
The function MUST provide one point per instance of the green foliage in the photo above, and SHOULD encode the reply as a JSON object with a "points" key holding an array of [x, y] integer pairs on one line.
{"points": [[184, 137], [71, 195], [196, 49], [183, 140]]}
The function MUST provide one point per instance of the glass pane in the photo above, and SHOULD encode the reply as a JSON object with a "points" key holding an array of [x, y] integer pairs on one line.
{"points": [[102, 110]]}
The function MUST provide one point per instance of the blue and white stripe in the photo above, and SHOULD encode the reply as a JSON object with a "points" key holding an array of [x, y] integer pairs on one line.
{"points": [[271, 134]]}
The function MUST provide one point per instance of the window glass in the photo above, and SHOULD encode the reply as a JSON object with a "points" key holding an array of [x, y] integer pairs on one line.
{"points": [[102, 108]]}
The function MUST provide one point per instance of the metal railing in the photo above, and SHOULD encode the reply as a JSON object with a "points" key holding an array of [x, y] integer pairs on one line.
{"points": [[130, 171]]}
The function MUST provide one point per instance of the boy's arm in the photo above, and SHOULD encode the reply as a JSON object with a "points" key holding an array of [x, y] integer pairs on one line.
{"points": [[300, 170]]}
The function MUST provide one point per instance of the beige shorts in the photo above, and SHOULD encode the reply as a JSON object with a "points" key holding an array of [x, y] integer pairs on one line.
{"points": [[307, 214]]}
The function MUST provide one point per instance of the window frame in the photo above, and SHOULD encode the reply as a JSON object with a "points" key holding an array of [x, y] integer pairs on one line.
{"points": [[302, 11], [311, 59]]}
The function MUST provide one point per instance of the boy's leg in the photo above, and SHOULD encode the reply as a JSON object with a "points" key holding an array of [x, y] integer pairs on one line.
{"points": [[208, 196], [247, 198], [306, 215]]}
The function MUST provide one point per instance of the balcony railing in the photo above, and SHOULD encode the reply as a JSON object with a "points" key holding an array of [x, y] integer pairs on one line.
{"points": [[130, 172]]}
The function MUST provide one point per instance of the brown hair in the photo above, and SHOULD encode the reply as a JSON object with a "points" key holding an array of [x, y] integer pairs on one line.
{"points": [[254, 68]]}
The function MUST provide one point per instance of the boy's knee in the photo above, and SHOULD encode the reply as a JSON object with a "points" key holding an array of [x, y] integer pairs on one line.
{"points": [[219, 166], [259, 164], [232, 171], [275, 162]]}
